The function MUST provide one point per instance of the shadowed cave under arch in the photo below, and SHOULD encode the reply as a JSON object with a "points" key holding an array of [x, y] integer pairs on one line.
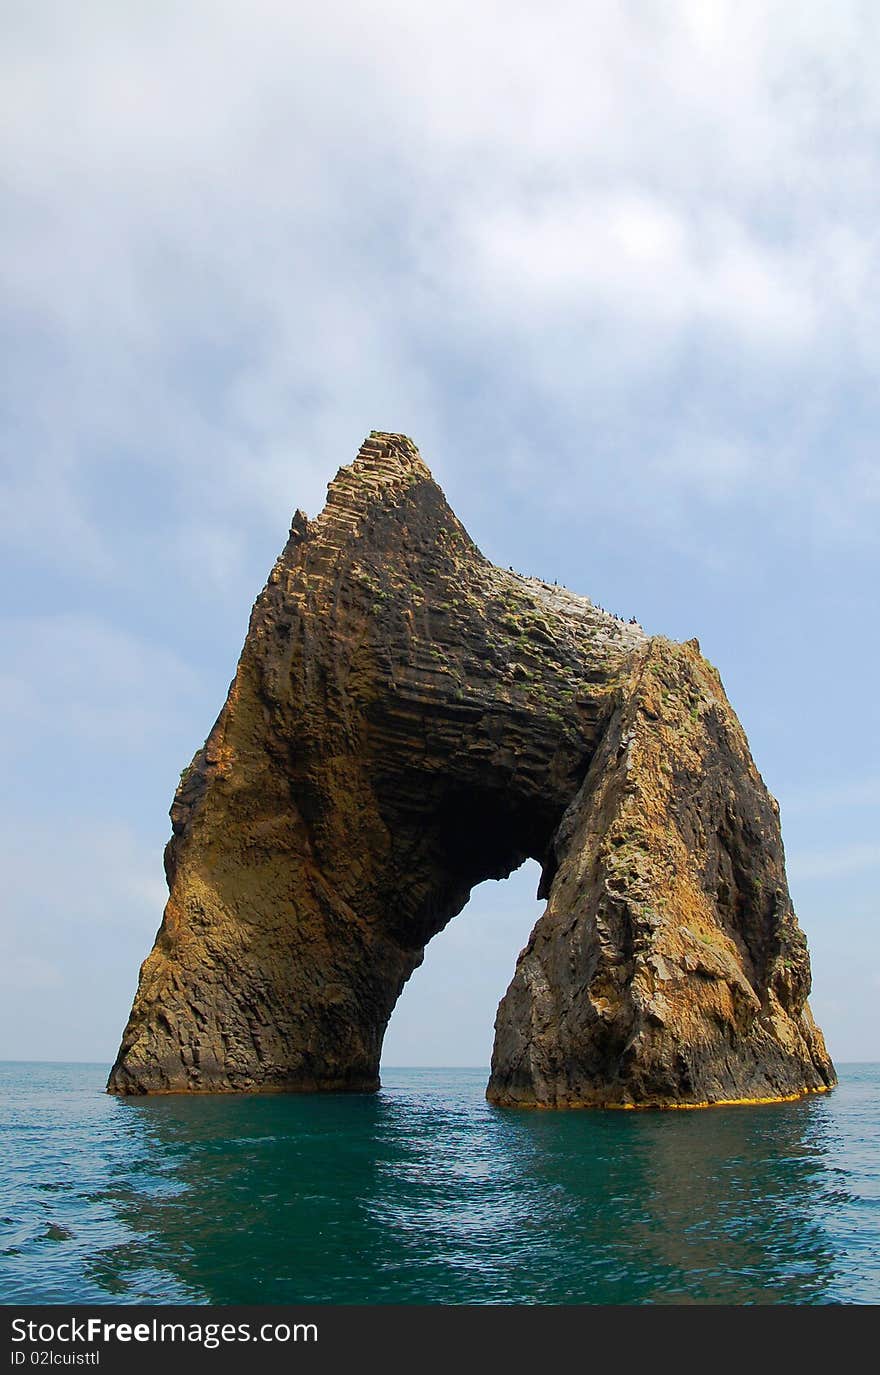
{"points": [[407, 721]]}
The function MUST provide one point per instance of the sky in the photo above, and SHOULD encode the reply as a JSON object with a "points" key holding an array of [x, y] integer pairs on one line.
{"points": [[613, 266]]}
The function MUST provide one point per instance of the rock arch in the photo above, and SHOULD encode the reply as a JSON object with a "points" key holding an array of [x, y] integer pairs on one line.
{"points": [[407, 720]]}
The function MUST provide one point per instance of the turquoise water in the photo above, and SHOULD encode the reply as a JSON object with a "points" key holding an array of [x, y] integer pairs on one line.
{"points": [[424, 1193]]}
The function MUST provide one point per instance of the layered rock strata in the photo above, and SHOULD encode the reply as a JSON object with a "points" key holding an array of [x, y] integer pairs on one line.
{"points": [[407, 720]]}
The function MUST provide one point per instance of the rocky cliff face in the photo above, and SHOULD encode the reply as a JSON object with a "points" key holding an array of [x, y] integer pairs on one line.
{"points": [[407, 720]]}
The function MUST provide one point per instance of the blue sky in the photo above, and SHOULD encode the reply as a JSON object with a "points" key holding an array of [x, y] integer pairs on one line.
{"points": [[615, 268]]}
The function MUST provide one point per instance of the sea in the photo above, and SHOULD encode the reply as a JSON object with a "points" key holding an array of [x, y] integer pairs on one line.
{"points": [[425, 1194]]}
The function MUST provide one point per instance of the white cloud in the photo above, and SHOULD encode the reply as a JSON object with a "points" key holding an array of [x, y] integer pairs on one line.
{"points": [[82, 681], [27, 973], [605, 261], [641, 263], [97, 873], [83, 898], [834, 862], [836, 795], [247, 236]]}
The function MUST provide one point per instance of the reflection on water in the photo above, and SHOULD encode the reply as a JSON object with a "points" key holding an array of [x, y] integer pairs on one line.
{"points": [[425, 1193]]}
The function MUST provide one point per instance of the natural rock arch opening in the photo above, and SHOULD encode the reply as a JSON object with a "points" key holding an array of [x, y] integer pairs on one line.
{"points": [[407, 721], [446, 1013]]}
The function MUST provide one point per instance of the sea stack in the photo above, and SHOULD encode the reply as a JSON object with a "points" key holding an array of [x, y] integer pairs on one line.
{"points": [[407, 720]]}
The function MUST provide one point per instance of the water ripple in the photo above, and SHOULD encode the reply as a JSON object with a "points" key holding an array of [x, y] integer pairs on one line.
{"points": [[424, 1193]]}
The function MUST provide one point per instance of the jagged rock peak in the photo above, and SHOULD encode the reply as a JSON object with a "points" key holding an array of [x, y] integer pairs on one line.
{"points": [[385, 463]]}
